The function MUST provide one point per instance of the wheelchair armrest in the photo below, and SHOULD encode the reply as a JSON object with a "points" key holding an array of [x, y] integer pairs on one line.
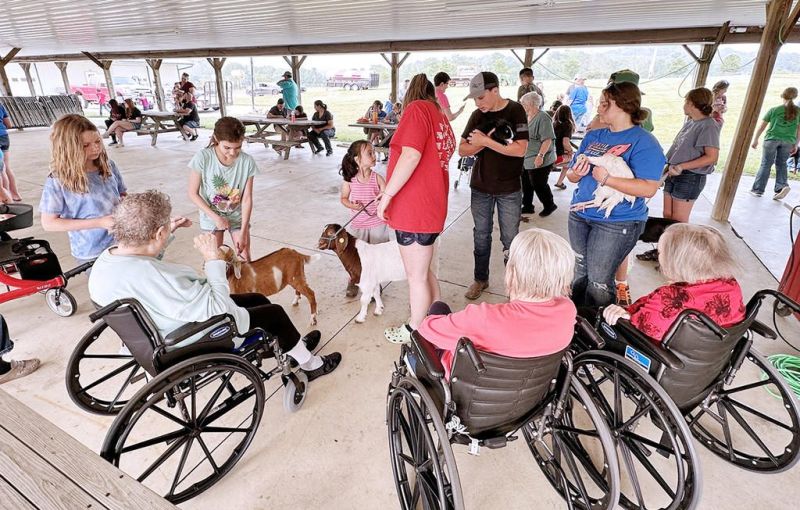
{"points": [[102, 312], [762, 329], [474, 357], [428, 355], [646, 345], [192, 328], [585, 329]]}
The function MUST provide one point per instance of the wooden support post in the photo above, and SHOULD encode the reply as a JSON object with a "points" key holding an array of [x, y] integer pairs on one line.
{"points": [[26, 68], [5, 85], [394, 63], [295, 62], [777, 20], [528, 60], [155, 65], [540, 56], [217, 64], [706, 56], [62, 66], [105, 65]]}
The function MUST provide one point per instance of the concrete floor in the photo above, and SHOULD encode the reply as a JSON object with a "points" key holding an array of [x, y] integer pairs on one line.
{"points": [[333, 453]]}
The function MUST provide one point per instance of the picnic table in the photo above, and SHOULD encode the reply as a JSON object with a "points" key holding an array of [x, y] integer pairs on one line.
{"points": [[44, 467], [154, 122], [294, 131], [384, 131]]}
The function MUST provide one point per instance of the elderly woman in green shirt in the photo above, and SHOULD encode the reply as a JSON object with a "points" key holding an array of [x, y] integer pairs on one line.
{"points": [[540, 156]]}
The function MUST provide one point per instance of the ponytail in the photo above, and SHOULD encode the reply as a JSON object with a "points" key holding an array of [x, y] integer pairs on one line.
{"points": [[349, 167], [790, 109]]}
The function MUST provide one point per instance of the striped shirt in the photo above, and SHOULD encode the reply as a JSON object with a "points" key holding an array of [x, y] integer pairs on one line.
{"points": [[363, 193]]}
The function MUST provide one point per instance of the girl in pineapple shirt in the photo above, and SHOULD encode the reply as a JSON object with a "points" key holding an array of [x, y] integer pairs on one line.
{"points": [[221, 185]]}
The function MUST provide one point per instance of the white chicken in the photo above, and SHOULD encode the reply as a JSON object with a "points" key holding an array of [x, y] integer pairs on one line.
{"points": [[605, 197]]}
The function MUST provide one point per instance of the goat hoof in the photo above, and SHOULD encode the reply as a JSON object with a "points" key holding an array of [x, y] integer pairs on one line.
{"points": [[313, 321], [361, 320], [378, 311]]}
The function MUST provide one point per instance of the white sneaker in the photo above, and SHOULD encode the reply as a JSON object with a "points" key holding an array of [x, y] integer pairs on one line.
{"points": [[782, 193]]}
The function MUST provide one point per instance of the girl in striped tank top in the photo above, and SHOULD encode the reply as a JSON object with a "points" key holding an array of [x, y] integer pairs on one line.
{"points": [[360, 187]]}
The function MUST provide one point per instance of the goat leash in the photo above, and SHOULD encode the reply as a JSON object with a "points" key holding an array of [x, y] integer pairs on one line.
{"points": [[363, 209]]}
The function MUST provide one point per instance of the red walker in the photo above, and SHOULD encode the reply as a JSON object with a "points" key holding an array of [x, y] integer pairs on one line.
{"points": [[33, 262]]}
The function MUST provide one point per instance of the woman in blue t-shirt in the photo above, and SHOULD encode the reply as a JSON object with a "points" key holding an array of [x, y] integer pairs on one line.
{"points": [[602, 239]]}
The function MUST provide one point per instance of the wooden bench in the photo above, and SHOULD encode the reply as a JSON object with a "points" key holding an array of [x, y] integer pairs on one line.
{"points": [[154, 123], [44, 467], [288, 145]]}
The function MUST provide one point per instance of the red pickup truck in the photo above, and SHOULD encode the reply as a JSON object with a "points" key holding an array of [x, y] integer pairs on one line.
{"points": [[123, 86]]}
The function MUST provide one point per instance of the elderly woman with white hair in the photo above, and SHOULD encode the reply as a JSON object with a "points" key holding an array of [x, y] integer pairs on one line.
{"points": [[174, 294], [539, 317], [699, 268], [540, 156]]}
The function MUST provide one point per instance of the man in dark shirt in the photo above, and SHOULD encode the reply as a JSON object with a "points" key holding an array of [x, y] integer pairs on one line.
{"points": [[278, 111], [190, 120], [497, 171]]}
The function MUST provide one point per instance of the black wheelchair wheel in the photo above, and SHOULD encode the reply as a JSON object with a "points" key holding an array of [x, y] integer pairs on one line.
{"points": [[576, 452], [754, 422], [424, 467], [658, 464], [189, 426], [101, 374]]}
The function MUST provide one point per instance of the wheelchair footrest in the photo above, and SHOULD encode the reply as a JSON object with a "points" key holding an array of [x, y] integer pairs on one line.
{"points": [[495, 442]]}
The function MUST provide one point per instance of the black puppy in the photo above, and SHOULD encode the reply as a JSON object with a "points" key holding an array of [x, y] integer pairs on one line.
{"points": [[501, 130]]}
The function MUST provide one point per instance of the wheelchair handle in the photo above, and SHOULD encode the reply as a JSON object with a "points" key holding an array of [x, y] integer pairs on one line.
{"points": [[78, 270], [477, 362], [586, 329]]}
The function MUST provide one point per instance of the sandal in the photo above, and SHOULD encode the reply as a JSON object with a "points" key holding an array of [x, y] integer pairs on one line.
{"points": [[398, 335], [560, 186]]}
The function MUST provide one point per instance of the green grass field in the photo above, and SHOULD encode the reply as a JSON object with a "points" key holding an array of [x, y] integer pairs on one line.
{"points": [[663, 97]]}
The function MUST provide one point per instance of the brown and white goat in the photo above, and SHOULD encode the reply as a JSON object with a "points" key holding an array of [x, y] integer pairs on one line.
{"points": [[369, 265], [269, 275]]}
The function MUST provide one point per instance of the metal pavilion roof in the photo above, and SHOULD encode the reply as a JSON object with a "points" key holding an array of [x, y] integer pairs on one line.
{"points": [[46, 27]]}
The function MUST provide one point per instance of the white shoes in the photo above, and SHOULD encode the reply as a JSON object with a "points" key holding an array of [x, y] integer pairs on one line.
{"points": [[782, 193]]}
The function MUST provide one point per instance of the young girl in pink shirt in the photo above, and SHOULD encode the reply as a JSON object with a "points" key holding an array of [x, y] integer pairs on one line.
{"points": [[539, 317], [361, 186]]}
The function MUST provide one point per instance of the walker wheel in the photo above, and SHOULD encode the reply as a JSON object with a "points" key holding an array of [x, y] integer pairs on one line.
{"points": [[61, 302], [295, 391]]}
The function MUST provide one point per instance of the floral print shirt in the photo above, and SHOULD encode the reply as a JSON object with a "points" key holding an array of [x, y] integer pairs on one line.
{"points": [[720, 299], [222, 186]]}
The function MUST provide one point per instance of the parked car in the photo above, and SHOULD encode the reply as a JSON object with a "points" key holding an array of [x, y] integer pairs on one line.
{"points": [[264, 88]]}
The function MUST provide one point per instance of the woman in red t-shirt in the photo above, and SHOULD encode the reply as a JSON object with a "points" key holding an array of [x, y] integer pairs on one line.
{"points": [[699, 266], [414, 203]]}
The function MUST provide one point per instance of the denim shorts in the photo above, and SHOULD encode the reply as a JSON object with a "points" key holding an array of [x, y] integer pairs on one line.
{"points": [[190, 123], [5, 143], [686, 186], [409, 238]]}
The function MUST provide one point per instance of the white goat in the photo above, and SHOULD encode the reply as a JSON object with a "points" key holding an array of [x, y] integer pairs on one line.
{"points": [[380, 263], [605, 197]]}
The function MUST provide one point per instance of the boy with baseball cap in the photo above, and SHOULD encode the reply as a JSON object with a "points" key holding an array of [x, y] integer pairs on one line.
{"points": [[496, 176]]}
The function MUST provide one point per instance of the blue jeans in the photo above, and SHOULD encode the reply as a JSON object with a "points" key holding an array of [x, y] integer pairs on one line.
{"points": [[600, 247], [775, 152], [508, 213], [325, 135]]}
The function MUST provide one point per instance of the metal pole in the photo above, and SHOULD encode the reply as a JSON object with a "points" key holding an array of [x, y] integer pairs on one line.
{"points": [[252, 86]]}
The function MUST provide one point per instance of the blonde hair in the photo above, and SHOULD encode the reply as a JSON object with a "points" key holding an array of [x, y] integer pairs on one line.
{"points": [[694, 253], [139, 216], [541, 265], [67, 163]]}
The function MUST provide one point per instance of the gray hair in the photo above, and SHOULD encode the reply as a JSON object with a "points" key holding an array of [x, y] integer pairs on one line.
{"points": [[138, 217], [531, 99], [694, 253], [541, 265]]}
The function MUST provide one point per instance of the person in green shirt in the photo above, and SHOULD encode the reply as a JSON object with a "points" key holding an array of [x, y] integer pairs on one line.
{"points": [[783, 128], [289, 90]]}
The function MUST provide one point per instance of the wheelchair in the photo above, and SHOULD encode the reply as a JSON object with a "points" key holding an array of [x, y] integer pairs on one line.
{"points": [[487, 402], [199, 403], [728, 396]]}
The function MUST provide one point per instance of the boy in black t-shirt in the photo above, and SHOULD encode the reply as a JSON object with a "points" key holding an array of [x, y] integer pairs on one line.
{"points": [[497, 171]]}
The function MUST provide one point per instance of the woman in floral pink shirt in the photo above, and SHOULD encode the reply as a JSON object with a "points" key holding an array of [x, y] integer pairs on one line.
{"points": [[699, 266]]}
